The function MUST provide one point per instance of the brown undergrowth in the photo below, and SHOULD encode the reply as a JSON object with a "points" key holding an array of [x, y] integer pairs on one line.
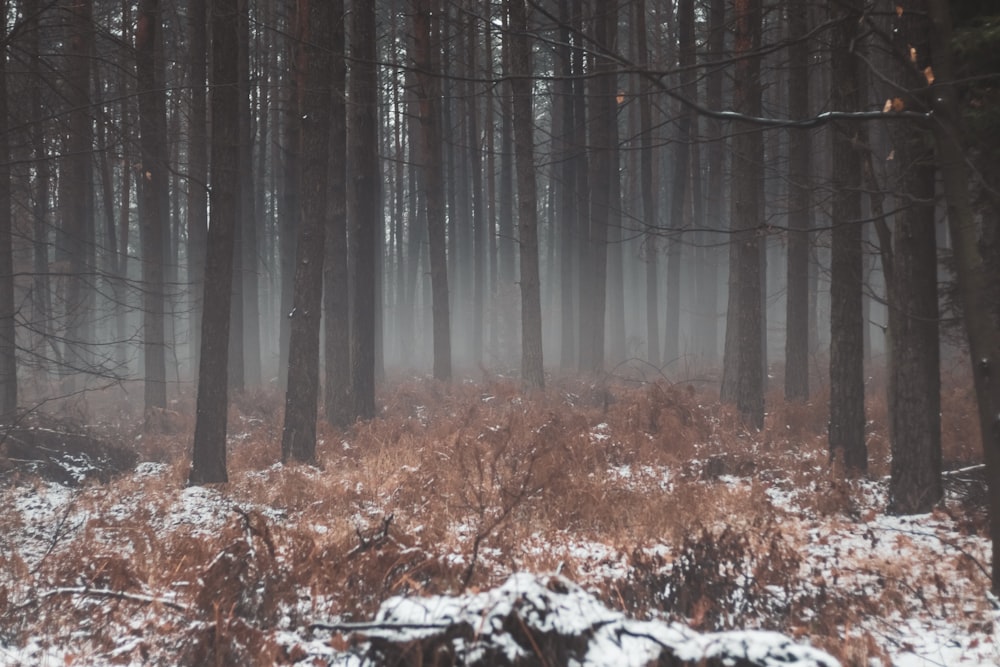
{"points": [[451, 488]]}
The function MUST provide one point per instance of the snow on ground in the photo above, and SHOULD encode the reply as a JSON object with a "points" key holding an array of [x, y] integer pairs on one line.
{"points": [[926, 564]]}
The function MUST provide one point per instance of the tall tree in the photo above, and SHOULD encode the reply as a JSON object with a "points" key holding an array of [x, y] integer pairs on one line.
{"points": [[797, 301], [847, 387], [364, 202], [650, 210], [976, 277], [682, 176], [426, 55], [532, 371], [914, 374], [298, 438], [743, 372], [8, 347], [603, 93], [76, 197], [568, 197], [197, 186], [153, 187], [336, 303], [209, 458]]}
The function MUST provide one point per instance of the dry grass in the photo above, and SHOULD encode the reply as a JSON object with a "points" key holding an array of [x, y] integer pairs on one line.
{"points": [[452, 488]]}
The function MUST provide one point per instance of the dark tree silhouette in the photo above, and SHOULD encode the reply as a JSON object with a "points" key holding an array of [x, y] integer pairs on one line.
{"points": [[209, 463]]}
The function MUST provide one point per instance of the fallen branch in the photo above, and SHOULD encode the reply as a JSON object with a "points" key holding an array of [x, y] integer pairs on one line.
{"points": [[83, 591], [374, 625]]}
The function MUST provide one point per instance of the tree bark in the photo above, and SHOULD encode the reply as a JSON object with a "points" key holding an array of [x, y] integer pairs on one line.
{"points": [[364, 201], [847, 387], [336, 292], [427, 55], [209, 458], [797, 300], [601, 124], [742, 375], [154, 216], [298, 437], [197, 200], [976, 278], [8, 346], [532, 370]]}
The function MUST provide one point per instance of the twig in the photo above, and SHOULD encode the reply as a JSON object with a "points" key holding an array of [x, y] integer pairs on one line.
{"points": [[84, 591], [373, 625], [377, 538]]}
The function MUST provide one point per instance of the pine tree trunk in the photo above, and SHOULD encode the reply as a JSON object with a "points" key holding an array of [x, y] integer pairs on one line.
{"points": [[532, 371], [197, 185], [427, 56], [8, 347], [797, 300], [847, 388], [298, 437], [209, 458], [336, 301], [976, 278], [364, 202], [153, 186], [742, 376]]}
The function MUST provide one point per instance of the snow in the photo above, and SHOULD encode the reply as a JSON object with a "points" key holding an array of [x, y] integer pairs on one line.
{"points": [[928, 561]]}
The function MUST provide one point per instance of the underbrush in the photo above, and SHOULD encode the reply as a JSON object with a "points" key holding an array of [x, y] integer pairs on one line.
{"points": [[653, 495]]}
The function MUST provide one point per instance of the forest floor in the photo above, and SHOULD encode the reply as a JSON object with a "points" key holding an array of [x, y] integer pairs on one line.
{"points": [[649, 496]]}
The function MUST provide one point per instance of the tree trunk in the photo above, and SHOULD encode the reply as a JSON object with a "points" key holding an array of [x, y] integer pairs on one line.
{"points": [[8, 347], [976, 278], [682, 177], [532, 370], [290, 204], [197, 202], [427, 55], [742, 375], [847, 387], [298, 437], [914, 346], [650, 210], [76, 191], [797, 300], [209, 459], [336, 293], [601, 122], [153, 186], [364, 202]]}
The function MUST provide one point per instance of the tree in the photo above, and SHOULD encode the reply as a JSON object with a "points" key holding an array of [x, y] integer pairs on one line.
{"points": [[603, 167], [426, 56], [197, 202], [650, 210], [743, 372], [976, 277], [336, 304], [532, 370], [153, 192], [797, 301], [76, 188], [8, 344], [209, 458], [847, 386], [364, 201], [298, 437], [914, 375], [682, 176]]}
